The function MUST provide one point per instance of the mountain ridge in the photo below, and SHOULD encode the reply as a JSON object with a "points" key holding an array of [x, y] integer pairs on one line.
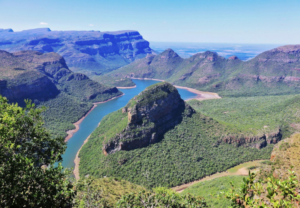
{"points": [[83, 51], [273, 72], [47, 80]]}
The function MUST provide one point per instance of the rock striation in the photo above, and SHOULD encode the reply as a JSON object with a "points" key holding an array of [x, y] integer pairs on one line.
{"points": [[39, 77], [257, 142], [82, 50], [150, 114]]}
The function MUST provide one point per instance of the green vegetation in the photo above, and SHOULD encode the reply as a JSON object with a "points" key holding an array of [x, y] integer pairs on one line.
{"points": [[59, 119], [270, 192], [161, 197], [186, 153], [47, 81], [253, 115], [116, 122], [155, 92], [104, 191], [285, 155], [284, 146], [112, 82], [212, 189], [28, 153], [270, 73], [115, 192]]}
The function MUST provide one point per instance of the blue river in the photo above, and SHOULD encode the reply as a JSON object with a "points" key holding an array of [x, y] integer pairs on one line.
{"points": [[90, 123]]}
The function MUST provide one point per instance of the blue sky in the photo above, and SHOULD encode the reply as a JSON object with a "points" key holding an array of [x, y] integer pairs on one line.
{"points": [[212, 21]]}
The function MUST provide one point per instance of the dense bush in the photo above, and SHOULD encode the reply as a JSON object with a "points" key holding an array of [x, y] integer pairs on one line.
{"points": [[271, 192], [210, 190], [28, 153], [253, 115], [161, 197]]}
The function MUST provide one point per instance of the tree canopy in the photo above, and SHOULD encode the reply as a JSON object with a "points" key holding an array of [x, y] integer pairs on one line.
{"points": [[30, 175]]}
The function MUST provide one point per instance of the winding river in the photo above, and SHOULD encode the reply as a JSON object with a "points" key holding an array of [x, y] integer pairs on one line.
{"points": [[89, 124]]}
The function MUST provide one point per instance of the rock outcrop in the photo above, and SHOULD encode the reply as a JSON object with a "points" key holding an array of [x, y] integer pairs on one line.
{"points": [[257, 142], [82, 50], [150, 114]]}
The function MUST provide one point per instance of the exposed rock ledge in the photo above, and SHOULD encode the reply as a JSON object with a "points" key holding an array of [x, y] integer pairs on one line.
{"points": [[150, 114], [257, 142]]}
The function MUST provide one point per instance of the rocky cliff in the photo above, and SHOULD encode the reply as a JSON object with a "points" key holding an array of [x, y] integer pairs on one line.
{"points": [[257, 142], [37, 76], [150, 114], [82, 50], [271, 73]]}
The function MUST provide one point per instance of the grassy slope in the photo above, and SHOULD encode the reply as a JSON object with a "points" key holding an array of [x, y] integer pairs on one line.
{"points": [[210, 190], [113, 124], [185, 154], [284, 156], [253, 115]]}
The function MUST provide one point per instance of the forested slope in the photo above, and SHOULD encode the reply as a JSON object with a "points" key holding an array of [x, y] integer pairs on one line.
{"points": [[47, 81]]}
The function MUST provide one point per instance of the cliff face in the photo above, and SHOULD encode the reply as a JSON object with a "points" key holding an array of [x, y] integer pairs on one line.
{"points": [[37, 76], [273, 72], [82, 50], [257, 142], [150, 114]]}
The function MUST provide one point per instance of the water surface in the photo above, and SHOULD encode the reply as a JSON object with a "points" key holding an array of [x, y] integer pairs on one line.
{"points": [[90, 123]]}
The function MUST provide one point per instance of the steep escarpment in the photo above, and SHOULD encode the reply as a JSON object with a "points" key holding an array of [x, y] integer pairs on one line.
{"points": [[83, 51], [34, 75], [273, 72], [254, 141], [47, 80], [150, 114]]}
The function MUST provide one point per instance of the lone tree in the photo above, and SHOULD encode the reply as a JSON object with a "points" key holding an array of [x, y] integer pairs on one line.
{"points": [[28, 153]]}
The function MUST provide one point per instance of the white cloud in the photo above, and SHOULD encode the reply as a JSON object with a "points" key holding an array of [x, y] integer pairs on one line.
{"points": [[91, 25], [43, 23]]}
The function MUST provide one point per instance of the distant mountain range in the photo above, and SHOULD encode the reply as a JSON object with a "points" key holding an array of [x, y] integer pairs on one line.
{"points": [[245, 52], [83, 51], [273, 72]]}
